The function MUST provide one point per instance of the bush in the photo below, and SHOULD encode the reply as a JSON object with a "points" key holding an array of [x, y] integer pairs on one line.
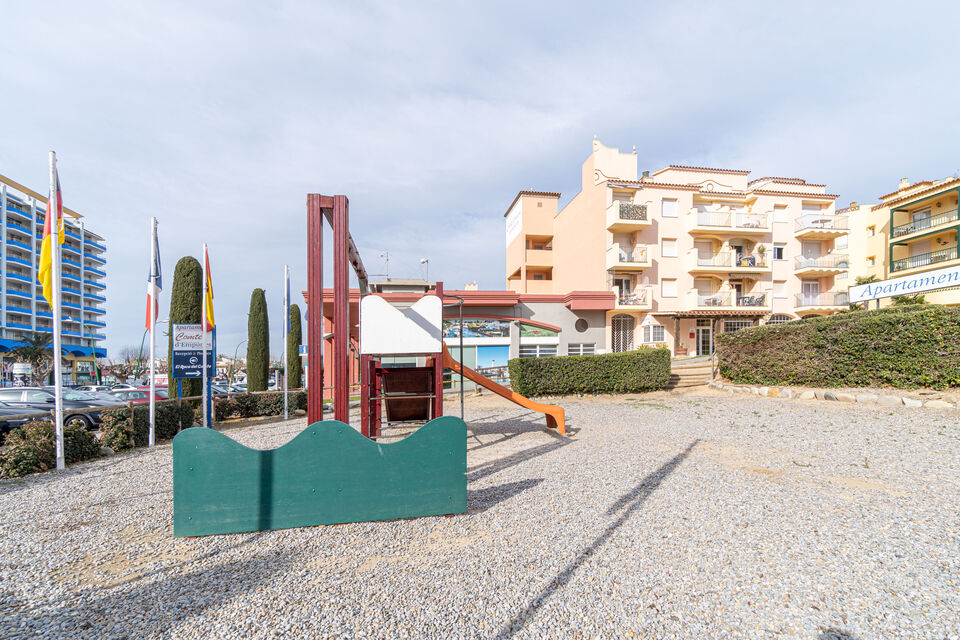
{"points": [[120, 435], [903, 347], [249, 405], [32, 448], [258, 343], [645, 370]]}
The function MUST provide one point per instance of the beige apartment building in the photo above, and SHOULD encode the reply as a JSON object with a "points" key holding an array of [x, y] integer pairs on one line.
{"points": [[910, 231], [686, 251]]}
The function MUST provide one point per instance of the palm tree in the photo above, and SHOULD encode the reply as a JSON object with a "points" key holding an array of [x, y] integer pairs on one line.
{"points": [[37, 352]]}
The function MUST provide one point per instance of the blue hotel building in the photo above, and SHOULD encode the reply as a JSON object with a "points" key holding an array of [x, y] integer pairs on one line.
{"points": [[23, 310]]}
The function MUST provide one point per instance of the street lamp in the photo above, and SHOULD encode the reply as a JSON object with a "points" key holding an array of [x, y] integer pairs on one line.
{"points": [[232, 363]]}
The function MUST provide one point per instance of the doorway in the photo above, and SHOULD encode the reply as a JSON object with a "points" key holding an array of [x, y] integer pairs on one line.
{"points": [[704, 337], [810, 292]]}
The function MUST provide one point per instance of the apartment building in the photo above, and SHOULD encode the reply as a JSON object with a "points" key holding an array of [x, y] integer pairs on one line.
{"points": [[23, 309], [687, 251], [911, 230]]}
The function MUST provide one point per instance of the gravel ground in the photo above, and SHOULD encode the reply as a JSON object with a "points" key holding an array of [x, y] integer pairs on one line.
{"points": [[670, 516]]}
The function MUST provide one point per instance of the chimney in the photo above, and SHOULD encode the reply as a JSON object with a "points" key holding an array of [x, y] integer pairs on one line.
{"points": [[471, 286], [904, 183], [853, 205], [646, 174]]}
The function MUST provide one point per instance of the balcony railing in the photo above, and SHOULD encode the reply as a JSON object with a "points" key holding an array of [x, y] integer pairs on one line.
{"points": [[925, 223], [732, 219], [813, 221], [721, 259], [628, 211], [830, 261], [924, 259], [754, 299], [640, 296], [830, 299], [717, 299], [636, 254]]}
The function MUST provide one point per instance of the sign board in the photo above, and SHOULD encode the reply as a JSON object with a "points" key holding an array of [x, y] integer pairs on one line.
{"points": [[188, 345], [303, 351], [907, 285]]}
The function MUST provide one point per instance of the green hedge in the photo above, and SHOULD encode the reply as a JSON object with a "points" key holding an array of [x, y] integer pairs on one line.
{"points": [[248, 405], [645, 370], [119, 434], [904, 347], [32, 447]]}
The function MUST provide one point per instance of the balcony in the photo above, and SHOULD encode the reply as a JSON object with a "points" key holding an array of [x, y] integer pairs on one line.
{"points": [[821, 227], [627, 258], [741, 223], [623, 217], [728, 261], [830, 301], [533, 257], [826, 265], [539, 286], [923, 260], [759, 300], [923, 224], [638, 299]]}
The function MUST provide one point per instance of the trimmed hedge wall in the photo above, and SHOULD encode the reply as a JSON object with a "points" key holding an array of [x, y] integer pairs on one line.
{"points": [[120, 435], [645, 370], [262, 404], [903, 347]]}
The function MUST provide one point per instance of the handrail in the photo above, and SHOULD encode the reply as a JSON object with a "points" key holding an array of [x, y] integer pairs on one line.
{"points": [[925, 223]]}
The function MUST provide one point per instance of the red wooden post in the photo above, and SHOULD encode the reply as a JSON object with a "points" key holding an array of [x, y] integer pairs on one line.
{"points": [[438, 369], [365, 402], [341, 311], [314, 308]]}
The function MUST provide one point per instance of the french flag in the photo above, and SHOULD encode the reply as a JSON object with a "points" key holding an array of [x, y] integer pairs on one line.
{"points": [[154, 282]]}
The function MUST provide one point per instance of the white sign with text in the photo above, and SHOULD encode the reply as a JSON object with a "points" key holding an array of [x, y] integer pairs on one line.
{"points": [[907, 285], [188, 337]]}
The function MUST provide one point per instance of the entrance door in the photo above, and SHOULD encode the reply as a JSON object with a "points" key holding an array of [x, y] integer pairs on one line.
{"points": [[920, 219], [920, 253], [704, 337], [621, 332], [810, 292], [810, 252]]}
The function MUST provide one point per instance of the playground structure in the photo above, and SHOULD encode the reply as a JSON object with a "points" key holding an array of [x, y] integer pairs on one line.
{"points": [[330, 473]]}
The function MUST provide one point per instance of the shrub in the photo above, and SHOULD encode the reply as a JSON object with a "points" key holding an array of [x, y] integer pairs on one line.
{"points": [[294, 370], [904, 347], [645, 370], [32, 448], [185, 307], [248, 405], [258, 343], [119, 434]]}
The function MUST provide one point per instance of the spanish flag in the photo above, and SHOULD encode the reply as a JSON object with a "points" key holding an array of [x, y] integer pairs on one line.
{"points": [[209, 324], [54, 216]]}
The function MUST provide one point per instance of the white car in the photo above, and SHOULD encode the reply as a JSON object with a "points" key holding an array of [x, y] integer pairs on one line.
{"points": [[94, 387], [122, 387]]}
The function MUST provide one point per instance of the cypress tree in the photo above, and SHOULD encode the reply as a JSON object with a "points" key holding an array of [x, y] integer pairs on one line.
{"points": [[258, 343], [185, 300], [294, 340]]}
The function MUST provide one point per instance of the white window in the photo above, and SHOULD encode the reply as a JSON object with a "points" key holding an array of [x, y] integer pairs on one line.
{"points": [[734, 325], [779, 213], [669, 248], [668, 288], [668, 208], [537, 350], [580, 349], [842, 242], [779, 251], [779, 318], [654, 333], [779, 289]]}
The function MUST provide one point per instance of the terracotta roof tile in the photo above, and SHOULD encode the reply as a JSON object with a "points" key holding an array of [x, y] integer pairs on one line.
{"points": [[683, 167], [542, 194]]}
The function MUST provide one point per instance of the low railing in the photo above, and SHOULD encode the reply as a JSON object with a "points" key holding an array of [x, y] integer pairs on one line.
{"points": [[830, 261], [637, 297], [925, 223], [924, 259], [732, 219], [813, 221], [717, 299], [628, 211], [761, 299], [721, 259], [828, 299], [636, 254]]}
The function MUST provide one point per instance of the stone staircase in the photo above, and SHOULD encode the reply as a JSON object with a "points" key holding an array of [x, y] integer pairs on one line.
{"points": [[691, 372]]}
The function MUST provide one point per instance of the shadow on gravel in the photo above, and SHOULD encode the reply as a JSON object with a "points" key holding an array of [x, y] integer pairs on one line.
{"points": [[628, 503], [836, 634], [495, 466], [479, 500], [176, 594]]}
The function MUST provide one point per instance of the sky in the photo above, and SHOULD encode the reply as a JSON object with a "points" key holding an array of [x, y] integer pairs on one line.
{"points": [[218, 118]]}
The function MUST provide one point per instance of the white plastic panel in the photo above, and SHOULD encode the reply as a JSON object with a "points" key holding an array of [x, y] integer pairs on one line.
{"points": [[387, 330]]}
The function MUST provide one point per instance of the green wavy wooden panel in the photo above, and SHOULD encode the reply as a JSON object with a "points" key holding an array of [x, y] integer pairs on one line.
{"points": [[328, 474]]}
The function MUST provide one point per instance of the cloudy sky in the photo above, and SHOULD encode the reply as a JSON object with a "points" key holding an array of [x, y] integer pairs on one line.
{"points": [[219, 119]]}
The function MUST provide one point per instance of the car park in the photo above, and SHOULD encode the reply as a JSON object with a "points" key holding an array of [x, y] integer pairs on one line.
{"points": [[136, 396], [93, 387]]}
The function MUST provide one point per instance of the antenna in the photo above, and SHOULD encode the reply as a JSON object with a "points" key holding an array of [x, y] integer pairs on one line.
{"points": [[425, 262]]}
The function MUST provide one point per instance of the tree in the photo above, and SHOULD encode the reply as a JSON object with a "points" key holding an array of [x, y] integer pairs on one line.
{"points": [[860, 306], [185, 300], [294, 340], [902, 301], [37, 351], [258, 343]]}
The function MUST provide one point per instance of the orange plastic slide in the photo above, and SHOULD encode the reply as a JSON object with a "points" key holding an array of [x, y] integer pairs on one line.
{"points": [[553, 413]]}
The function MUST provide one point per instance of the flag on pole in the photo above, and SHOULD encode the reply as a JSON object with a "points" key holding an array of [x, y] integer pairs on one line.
{"points": [[208, 321], [54, 216], [154, 282]]}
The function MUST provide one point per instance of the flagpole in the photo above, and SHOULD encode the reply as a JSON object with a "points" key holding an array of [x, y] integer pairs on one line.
{"points": [[154, 305], [53, 208], [286, 321], [203, 342]]}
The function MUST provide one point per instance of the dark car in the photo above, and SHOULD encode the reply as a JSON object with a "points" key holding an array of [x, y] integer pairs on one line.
{"points": [[6, 425], [38, 399]]}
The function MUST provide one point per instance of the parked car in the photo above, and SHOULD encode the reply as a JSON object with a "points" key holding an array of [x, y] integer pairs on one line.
{"points": [[108, 399], [118, 387], [93, 387], [39, 399], [161, 391], [6, 426], [137, 395]]}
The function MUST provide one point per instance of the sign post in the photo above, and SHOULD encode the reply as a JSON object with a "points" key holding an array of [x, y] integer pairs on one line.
{"points": [[189, 344]]}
